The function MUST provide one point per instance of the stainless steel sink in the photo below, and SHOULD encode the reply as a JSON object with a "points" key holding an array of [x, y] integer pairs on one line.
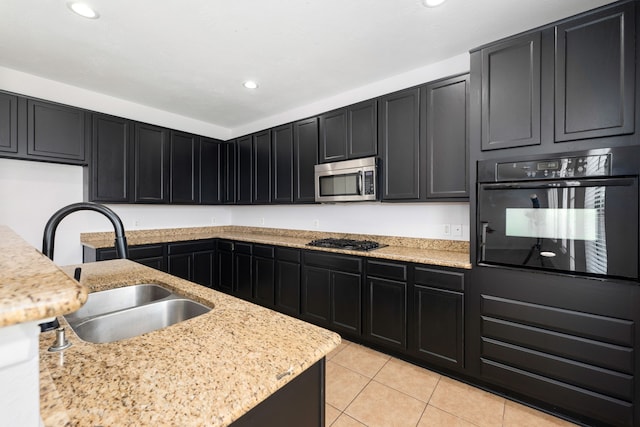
{"points": [[118, 299], [136, 321], [116, 314]]}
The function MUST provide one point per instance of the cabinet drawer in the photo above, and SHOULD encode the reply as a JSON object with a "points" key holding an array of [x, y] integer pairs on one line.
{"points": [[242, 248], [333, 262], [263, 251], [450, 280], [135, 252], [387, 270], [225, 245], [286, 254], [190, 247]]}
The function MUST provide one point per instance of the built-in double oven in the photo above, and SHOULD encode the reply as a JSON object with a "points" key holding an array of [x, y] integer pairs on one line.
{"points": [[573, 213]]}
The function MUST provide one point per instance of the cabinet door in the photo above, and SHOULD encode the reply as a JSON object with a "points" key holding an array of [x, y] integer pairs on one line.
{"points": [[305, 142], [400, 146], [511, 93], [159, 263], [439, 325], [203, 270], [264, 280], [229, 172], [211, 170], [242, 270], [287, 292], [362, 128], [282, 144], [387, 312], [56, 131], [316, 295], [244, 172], [110, 154], [333, 136], [262, 167], [225, 269], [151, 164], [184, 163], [447, 128], [8, 123], [346, 302], [180, 265], [595, 75]]}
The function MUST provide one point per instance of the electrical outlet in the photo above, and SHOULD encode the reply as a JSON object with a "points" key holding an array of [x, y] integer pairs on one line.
{"points": [[316, 223], [261, 221], [213, 220], [446, 229], [456, 230], [136, 223]]}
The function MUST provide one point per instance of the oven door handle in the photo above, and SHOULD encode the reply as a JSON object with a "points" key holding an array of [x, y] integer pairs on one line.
{"points": [[565, 183]]}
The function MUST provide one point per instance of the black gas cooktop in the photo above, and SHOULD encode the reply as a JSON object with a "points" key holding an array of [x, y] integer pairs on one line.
{"points": [[350, 244]]}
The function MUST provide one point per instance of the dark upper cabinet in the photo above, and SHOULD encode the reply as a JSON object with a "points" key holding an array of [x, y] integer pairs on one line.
{"points": [[244, 172], [110, 155], [595, 75], [151, 164], [446, 114], [211, 167], [362, 129], [262, 167], [400, 148], [333, 136], [228, 152], [282, 164], [8, 123], [305, 151], [511, 93], [57, 132], [184, 168], [349, 133]]}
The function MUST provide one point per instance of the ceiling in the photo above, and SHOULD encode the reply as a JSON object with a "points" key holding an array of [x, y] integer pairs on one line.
{"points": [[190, 57]]}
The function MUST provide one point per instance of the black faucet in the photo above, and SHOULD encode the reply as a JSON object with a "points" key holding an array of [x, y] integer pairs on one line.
{"points": [[50, 235], [50, 229]]}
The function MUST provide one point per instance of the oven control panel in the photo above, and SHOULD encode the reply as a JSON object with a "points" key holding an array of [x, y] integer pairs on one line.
{"points": [[561, 167]]}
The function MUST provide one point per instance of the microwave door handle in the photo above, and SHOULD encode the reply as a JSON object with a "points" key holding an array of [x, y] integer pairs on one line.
{"points": [[360, 179]]}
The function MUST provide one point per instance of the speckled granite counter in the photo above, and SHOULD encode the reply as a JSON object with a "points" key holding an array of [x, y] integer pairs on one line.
{"points": [[447, 253], [31, 286], [208, 370]]}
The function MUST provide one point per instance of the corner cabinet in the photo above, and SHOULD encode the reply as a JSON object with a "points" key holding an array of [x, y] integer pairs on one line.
{"points": [[211, 171], [193, 261]]}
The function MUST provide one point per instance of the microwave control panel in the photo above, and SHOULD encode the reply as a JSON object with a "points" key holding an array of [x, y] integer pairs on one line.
{"points": [[561, 167], [369, 182]]}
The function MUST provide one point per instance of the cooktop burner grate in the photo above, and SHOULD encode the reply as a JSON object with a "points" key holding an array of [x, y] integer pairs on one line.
{"points": [[349, 244]]}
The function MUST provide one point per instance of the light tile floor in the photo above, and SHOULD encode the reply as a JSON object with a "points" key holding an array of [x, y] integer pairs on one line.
{"points": [[371, 389]]}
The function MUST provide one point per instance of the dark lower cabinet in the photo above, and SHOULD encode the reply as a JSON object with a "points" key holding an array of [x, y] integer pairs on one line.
{"points": [[332, 291], [153, 256], [287, 284], [264, 275], [438, 317], [224, 266], [242, 270], [386, 303], [193, 261]]}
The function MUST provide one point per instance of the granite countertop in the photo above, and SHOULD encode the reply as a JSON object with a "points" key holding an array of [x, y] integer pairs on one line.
{"points": [[208, 370], [32, 287], [446, 253]]}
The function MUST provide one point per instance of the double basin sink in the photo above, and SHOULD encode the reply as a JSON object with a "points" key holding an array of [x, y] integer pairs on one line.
{"points": [[127, 312]]}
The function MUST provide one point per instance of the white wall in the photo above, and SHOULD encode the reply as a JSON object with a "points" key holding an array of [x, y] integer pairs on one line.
{"points": [[31, 191]]}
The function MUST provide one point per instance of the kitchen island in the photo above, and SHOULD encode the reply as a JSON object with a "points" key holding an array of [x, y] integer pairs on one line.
{"points": [[209, 370]]}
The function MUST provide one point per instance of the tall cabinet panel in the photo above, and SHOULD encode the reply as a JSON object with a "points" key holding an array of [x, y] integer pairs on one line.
{"points": [[511, 93], [185, 149], [262, 167], [111, 150], [447, 129], [8, 123], [305, 150], [595, 67], [151, 164], [282, 145], [211, 170], [244, 172], [400, 145], [228, 152]]}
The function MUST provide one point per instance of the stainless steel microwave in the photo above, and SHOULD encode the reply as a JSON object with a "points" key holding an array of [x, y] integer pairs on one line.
{"points": [[348, 181]]}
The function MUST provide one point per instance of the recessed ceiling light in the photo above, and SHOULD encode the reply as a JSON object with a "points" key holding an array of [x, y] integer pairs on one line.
{"points": [[83, 10], [433, 3], [250, 84]]}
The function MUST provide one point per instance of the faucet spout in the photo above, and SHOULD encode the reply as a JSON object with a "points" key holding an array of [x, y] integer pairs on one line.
{"points": [[50, 229]]}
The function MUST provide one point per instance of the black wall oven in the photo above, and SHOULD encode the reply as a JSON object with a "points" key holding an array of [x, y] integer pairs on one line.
{"points": [[573, 213]]}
